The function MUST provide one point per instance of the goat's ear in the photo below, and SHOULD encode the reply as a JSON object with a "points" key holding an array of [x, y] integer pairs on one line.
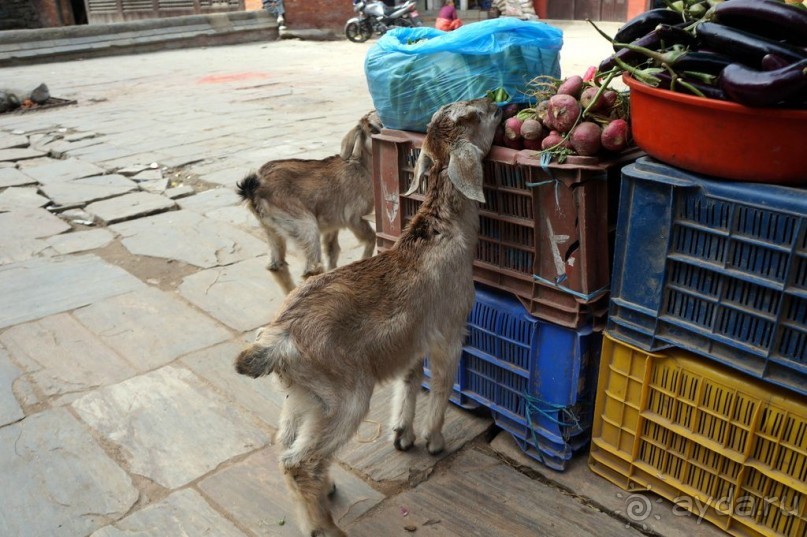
{"points": [[352, 144], [465, 170], [423, 164]]}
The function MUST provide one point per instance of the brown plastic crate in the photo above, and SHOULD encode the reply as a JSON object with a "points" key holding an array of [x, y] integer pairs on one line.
{"points": [[546, 233]]}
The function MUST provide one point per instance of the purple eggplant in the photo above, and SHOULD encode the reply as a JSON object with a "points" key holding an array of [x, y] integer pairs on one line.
{"points": [[768, 18], [709, 92], [711, 63], [744, 47], [764, 88], [644, 23]]}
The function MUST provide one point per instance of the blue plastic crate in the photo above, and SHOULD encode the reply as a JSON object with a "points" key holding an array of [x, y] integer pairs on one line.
{"points": [[717, 268], [537, 378]]}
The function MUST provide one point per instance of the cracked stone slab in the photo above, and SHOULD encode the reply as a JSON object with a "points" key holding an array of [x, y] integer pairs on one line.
{"points": [[88, 189], [158, 419], [21, 153], [210, 200], [57, 481], [32, 223], [480, 495], [129, 206], [371, 451], [150, 327], [59, 171], [182, 513], [21, 197], [254, 492], [236, 215], [14, 250], [262, 396], [14, 177], [179, 192], [62, 358], [188, 237], [10, 409], [80, 241], [242, 295], [36, 288]]}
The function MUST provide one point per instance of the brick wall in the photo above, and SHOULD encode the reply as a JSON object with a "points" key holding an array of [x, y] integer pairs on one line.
{"points": [[325, 14], [18, 15]]}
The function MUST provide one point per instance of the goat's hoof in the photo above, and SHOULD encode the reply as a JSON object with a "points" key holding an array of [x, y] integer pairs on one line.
{"points": [[435, 444], [404, 439]]}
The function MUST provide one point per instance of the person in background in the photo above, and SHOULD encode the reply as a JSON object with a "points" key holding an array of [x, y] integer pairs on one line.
{"points": [[276, 8], [447, 19]]}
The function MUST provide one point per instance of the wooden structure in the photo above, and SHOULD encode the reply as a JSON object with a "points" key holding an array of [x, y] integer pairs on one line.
{"points": [[105, 11]]}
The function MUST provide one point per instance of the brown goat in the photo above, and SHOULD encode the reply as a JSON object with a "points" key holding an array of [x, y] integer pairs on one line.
{"points": [[297, 199], [342, 332]]}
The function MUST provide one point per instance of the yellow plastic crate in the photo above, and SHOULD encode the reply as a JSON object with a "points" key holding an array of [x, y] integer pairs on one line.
{"points": [[704, 437]]}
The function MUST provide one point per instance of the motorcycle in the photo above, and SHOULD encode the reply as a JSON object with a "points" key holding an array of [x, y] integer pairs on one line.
{"points": [[376, 17]]}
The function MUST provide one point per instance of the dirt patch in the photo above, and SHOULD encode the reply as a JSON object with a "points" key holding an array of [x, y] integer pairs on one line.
{"points": [[166, 274]]}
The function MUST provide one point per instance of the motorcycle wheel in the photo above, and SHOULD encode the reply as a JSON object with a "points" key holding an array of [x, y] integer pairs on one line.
{"points": [[357, 32]]}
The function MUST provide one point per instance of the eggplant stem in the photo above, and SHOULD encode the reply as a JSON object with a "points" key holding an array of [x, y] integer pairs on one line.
{"points": [[638, 74], [606, 36]]}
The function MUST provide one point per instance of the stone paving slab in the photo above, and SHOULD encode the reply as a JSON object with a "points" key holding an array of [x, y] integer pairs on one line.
{"points": [[182, 513], [62, 359], [210, 200], [129, 206], [169, 426], [254, 492], [654, 514], [40, 287], [21, 153], [10, 409], [243, 295], [263, 397], [149, 327], [483, 497], [80, 241], [14, 177], [21, 197], [372, 454], [57, 481], [88, 189], [239, 216], [32, 223], [189, 237], [9, 141], [63, 170]]}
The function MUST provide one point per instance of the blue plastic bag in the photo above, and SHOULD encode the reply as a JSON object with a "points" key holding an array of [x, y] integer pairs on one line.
{"points": [[411, 72]]}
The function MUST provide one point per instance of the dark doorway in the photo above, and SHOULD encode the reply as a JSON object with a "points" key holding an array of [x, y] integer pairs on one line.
{"points": [[79, 11]]}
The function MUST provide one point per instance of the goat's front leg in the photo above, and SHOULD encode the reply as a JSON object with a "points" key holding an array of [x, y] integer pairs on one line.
{"points": [[403, 408], [330, 243], [364, 232], [443, 361]]}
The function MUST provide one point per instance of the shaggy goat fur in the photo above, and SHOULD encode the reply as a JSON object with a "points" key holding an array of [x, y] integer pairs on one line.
{"points": [[297, 199], [342, 332]]}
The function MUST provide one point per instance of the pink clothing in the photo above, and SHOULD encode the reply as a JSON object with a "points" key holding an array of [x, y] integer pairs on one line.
{"points": [[447, 12]]}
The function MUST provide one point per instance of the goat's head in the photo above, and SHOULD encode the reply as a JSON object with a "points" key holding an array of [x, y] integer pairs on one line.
{"points": [[358, 142], [460, 134]]}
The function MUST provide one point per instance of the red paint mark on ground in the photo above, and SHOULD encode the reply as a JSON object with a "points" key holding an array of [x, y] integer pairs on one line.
{"points": [[234, 77]]}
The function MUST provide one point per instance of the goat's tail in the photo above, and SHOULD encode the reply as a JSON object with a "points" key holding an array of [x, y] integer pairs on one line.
{"points": [[247, 188], [267, 355]]}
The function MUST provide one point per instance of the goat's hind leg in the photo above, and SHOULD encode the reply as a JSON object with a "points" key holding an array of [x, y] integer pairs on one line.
{"points": [[403, 408], [305, 463], [277, 260], [443, 362]]}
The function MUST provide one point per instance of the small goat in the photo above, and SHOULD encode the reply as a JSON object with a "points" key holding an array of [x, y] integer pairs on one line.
{"points": [[298, 199], [341, 333]]}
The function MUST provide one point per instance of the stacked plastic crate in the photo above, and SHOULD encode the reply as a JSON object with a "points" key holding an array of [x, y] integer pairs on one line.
{"points": [[542, 275], [702, 392]]}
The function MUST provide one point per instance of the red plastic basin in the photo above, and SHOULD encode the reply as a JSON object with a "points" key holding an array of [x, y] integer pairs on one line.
{"points": [[719, 138]]}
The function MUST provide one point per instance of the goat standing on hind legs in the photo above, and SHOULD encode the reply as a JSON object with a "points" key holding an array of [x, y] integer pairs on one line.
{"points": [[297, 199], [342, 332]]}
